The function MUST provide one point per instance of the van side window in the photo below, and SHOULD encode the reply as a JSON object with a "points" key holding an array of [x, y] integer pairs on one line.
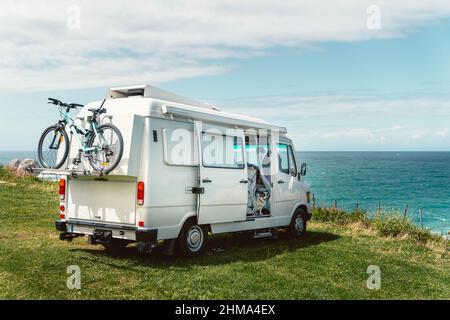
{"points": [[222, 151], [292, 164], [178, 147], [257, 151], [283, 158]]}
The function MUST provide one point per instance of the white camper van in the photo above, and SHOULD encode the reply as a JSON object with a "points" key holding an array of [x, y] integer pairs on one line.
{"points": [[188, 169]]}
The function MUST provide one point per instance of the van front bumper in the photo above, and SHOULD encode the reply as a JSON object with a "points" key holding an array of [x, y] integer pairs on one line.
{"points": [[140, 234]]}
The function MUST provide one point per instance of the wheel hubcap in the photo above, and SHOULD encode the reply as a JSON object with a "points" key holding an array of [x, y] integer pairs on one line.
{"points": [[195, 238], [299, 224]]}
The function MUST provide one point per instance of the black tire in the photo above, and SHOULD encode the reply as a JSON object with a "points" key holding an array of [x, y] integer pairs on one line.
{"points": [[115, 244], [55, 133], [192, 240], [298, 223], [97, 161]]}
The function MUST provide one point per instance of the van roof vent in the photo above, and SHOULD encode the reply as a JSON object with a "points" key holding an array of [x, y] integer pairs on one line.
{"points": [[148, 91], [125, 92]]}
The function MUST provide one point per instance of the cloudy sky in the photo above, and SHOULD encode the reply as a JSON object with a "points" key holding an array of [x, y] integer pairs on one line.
{"points": [[340, 75]]}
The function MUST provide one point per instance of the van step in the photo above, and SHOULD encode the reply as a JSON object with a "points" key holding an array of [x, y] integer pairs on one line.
{"points": [[263, 233]]}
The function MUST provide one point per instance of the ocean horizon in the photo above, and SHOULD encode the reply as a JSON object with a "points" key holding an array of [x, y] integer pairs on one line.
{"points": [[390, 179]]}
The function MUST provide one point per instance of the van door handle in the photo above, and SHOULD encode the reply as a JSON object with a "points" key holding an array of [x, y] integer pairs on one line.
{"points": [[207, 180], [280, 181], [243, 181]]}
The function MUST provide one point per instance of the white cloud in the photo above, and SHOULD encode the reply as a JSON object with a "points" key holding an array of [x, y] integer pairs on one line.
{"points": [[125, 42], [443, 133], [353, 121]]}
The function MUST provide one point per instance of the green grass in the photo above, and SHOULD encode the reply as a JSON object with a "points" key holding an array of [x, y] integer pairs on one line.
{"points": [[329, 262]]}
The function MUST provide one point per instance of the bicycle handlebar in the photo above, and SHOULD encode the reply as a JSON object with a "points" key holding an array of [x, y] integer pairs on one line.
{"points": [[54, 101], [75, 105], [65, 105]]}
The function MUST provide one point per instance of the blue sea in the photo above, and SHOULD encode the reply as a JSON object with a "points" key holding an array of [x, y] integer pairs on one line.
{"points": [[7, 156], [393, 179]]}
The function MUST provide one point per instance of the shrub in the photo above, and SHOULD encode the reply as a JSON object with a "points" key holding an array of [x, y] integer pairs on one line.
{"points": [[392, 224], [333, 215], [386, 224]]}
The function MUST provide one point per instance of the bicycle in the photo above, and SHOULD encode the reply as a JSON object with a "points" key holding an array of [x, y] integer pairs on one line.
{"points": [[101, 144]]}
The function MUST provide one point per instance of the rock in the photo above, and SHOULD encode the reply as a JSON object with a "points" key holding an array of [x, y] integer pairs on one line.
{"points": [[14, 164], [26, 167]]}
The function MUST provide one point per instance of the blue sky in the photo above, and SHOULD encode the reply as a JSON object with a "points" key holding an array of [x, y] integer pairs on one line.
{"points": [[334, 83]]}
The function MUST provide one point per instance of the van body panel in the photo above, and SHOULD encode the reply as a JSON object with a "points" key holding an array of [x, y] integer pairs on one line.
{"points": [[258, 223], [131, 127], [102, 201], [224, 195]]}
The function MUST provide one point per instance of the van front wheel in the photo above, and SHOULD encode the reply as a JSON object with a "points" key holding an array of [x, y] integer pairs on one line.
{"points": [[192, 239], [298, 223]]}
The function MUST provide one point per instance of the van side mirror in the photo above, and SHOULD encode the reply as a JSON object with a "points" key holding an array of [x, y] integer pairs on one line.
{"points": [[303, 170]]}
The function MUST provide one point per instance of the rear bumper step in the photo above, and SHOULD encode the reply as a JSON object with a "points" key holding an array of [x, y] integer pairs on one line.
{"points": [[142, 234]]}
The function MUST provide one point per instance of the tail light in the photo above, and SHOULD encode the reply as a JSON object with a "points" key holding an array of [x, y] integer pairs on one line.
{"points": [[62, 216], [141, 223], [62, 189], [140, 193]]}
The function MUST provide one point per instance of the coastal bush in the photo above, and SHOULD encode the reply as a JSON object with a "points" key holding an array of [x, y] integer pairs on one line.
{"points": [[8, 175], [387, 224], [338, 216], [392, 224]]}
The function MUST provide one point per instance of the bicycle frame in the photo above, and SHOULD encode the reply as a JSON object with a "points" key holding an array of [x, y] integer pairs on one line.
{"points": [[77, 130]]}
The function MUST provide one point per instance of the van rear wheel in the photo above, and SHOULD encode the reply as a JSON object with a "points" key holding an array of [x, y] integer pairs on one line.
{"points": [[192, 239]]}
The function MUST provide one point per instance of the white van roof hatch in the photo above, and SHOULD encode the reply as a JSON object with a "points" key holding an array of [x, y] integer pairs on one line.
{"points": [[148, 91]]}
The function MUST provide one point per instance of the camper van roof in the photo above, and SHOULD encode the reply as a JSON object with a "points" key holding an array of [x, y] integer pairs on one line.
{"points": [[180, 106], [147, 91]]}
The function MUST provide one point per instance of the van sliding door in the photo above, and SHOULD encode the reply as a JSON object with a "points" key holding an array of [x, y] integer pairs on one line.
{"points": [[222, 174]]}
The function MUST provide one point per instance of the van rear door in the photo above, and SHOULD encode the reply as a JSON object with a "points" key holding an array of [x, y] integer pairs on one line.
{"points": [[222, 173], [102, 201]]}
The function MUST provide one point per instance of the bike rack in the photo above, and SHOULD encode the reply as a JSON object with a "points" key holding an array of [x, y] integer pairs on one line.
{"points": [[73, 173]]}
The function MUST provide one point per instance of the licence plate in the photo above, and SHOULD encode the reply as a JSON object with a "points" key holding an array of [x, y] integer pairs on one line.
{"points": [[102, 235]]}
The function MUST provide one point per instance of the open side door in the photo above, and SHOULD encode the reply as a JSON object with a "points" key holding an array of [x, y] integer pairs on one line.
{"points": [[223, 179]]}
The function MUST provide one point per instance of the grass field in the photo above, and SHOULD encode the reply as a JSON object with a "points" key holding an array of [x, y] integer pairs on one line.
{"points": [[329, 262]]}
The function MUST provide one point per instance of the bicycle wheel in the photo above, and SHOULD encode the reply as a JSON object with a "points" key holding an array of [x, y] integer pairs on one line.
{"points": [[53, 147], [110, 143]]}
